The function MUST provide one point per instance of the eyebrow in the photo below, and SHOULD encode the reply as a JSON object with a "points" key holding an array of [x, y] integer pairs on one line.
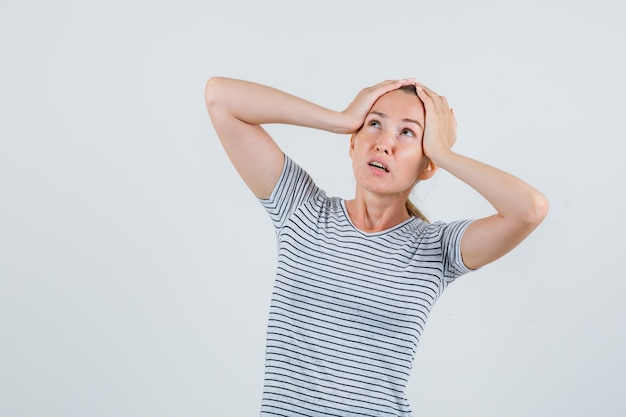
{"points": [[384, 116]]}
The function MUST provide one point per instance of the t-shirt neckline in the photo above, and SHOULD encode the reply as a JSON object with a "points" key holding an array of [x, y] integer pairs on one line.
{"points": [[382, 232]]}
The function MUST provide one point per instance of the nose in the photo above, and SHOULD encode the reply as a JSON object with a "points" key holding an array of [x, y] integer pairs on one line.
{"points": [[380, 147], [385, 143]]}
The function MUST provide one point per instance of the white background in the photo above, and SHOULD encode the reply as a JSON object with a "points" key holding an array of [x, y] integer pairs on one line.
{"points": [[136, 268]]}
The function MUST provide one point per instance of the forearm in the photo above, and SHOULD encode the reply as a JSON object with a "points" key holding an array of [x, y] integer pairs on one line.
{"points": [[257, 104], [511, 197]]}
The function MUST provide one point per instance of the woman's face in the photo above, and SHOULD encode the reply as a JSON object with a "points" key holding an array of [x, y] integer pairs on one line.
{"points": [[387, 155]]}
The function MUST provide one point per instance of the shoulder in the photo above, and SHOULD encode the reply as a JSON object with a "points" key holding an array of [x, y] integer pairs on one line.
{"points": [[294, 189], [433, 238], [439, 229]]}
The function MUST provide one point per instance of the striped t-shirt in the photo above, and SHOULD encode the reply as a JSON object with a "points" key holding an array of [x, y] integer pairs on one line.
{"points": [[348, 307]]}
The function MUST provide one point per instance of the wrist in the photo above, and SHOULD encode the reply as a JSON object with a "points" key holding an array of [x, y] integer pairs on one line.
{"points": [[441, 156], [345, 123]]}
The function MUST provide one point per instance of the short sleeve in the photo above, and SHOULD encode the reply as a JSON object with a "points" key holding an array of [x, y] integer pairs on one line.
{"points": [[294, 188], [450, 235]]}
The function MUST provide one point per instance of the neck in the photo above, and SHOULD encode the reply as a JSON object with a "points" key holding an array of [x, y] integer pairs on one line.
{"points": [[375, 214]]}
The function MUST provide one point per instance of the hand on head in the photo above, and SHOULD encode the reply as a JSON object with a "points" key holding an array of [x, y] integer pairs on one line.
{"points": [[356, 112], [440, 123]]}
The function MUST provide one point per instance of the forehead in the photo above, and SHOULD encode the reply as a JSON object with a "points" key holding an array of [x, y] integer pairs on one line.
{"points": [[400, 104]]}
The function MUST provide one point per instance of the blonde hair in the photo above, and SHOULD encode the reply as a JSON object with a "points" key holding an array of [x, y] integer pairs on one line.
{"points": [[414, 211]]}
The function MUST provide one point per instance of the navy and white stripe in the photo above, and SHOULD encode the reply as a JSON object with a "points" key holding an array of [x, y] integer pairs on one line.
{"points": [[348, 307]]}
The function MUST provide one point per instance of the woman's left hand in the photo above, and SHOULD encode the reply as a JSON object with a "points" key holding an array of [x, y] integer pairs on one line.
{"points": [[520, 208], [440, 125]]}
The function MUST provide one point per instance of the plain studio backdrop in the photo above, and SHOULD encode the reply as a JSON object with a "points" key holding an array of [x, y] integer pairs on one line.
{"points": [[136, 269]]}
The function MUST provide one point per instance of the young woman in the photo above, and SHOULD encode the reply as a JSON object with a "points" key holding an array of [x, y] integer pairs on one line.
{"points": [[357, 278]]}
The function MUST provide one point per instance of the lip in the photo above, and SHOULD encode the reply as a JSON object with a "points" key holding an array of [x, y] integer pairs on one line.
{"points": [[377, 170]]}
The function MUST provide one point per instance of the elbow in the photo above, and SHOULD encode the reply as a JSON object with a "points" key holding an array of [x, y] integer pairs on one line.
{"points": [[537, 210], [212, 92]]}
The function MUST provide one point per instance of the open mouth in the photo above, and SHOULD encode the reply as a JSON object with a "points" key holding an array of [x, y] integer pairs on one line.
{"points": [[378, 165]]}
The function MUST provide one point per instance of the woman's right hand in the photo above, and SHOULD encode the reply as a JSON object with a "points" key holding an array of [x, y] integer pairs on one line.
{"points": [[239, 108], [356, 112]]}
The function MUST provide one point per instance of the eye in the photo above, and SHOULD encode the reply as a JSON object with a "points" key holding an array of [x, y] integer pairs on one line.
{"points": [[407, 132], [374, 124]]}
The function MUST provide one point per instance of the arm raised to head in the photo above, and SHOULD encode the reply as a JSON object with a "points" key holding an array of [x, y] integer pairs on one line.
{"points": [[520, 208], [238, 109]]}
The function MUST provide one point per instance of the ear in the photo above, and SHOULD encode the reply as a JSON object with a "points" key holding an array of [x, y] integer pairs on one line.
{"points": [[352, 139], [429, 171]]}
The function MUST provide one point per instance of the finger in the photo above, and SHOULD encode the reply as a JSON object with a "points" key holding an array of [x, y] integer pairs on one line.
{"points": [[433, 95], [439, 102], [385, 84], [377, 90], [427, 90], [424, 95], [391, 85]]}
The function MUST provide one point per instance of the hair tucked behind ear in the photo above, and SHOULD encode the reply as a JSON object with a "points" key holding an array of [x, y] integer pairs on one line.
{"points": [[414, 211]]}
